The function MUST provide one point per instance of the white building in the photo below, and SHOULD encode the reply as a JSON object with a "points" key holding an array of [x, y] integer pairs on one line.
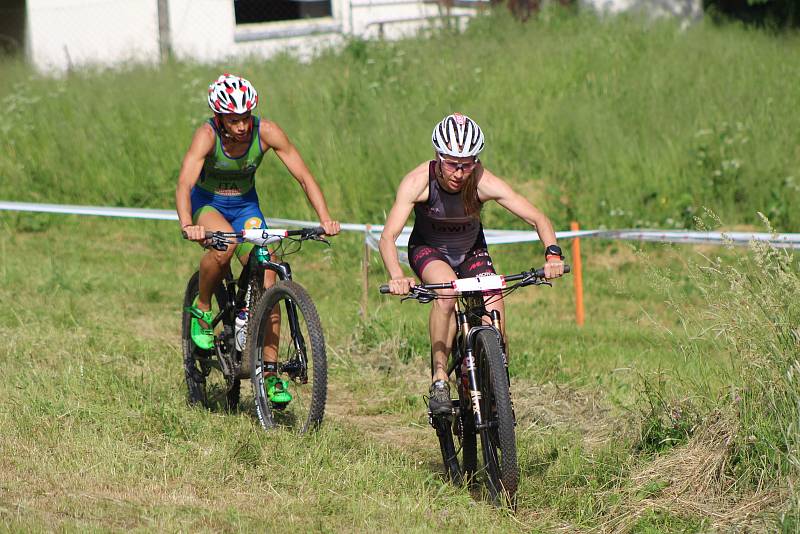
{"points": [[59, 34]]}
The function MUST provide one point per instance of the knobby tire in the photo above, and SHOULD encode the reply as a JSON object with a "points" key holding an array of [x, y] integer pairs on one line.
{"points": [[498, 442], [286, 293]]}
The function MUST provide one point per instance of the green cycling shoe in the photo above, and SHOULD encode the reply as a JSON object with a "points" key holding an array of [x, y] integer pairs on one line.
{"points": [[202, 337], [278, 390]]}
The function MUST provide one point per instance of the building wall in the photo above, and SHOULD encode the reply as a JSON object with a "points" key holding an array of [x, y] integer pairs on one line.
{"points": [[79, 32], [206, 29], [73, 33], [688, 10]]}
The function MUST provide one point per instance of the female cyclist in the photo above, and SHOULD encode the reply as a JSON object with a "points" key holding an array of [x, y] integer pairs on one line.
{"points": [[216, 191], [447, 242]]}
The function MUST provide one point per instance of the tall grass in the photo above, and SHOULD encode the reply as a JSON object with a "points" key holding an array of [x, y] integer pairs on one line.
{"points": [[753, 311], [610, 122], [746, 415]]}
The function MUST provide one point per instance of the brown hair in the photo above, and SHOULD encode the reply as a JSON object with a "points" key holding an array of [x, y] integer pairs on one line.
{"points": [[469, 193]]}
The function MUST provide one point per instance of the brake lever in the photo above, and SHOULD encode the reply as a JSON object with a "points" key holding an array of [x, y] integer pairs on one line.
{"points": [[535, 281], [219, 243], [321, 239], [422, 299], [421, 295]]}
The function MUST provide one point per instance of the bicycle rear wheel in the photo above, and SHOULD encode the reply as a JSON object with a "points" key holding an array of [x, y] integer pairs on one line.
{"points": [[498, 442], [301, 357], [468, 437], [203, 386]]}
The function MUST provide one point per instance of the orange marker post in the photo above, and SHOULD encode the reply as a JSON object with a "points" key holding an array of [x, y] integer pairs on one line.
{"points": [[577, 275]]}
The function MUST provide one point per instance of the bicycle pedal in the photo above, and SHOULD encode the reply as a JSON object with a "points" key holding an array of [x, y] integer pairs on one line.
{"points": [[280, 406]]}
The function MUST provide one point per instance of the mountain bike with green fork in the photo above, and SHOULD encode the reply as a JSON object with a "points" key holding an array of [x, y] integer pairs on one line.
{"points": [[281, 319], [479, 365]]}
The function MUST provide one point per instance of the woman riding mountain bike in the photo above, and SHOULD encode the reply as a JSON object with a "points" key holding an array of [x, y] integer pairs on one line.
{"points": [[216, 192], [447, 242]]}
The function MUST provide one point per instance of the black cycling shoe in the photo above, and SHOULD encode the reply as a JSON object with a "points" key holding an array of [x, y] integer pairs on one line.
{"points": [[439, 402]]}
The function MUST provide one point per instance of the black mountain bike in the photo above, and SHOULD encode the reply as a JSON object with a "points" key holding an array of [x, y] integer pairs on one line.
{"points": [[478, 362], [244, 312]]}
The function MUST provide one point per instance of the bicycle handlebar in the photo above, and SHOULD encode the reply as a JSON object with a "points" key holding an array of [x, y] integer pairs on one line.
{"points": [[538, 274], [259, 236]]}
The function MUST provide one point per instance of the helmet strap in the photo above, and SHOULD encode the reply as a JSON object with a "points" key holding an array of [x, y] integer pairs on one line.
{"points": [[221, 127]]}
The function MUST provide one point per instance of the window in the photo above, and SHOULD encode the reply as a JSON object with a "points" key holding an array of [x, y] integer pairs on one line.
{"points": [[253, 11], [12, 27]]}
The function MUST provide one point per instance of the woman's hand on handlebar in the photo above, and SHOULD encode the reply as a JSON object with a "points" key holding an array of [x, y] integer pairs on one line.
{"points": [[553, 269], [195, 233], [331, 227], [401, 285]]}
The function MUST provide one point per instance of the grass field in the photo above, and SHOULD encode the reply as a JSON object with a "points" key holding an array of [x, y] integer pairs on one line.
{"points": [[675, 409]]}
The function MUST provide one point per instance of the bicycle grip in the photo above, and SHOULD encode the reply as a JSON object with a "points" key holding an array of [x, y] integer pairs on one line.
{"points": [[385, 290], [209, 235], [539, 273], [317, 230]]}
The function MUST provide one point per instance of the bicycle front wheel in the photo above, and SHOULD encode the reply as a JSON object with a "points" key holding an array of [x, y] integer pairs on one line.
{"points": [[285, 321], [497, 435]]}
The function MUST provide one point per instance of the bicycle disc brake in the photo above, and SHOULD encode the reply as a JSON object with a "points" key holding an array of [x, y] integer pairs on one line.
{"points": [[296, 370]]}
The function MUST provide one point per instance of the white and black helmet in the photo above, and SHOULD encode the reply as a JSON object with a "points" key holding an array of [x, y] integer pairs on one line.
{"points": [[457, 135]]}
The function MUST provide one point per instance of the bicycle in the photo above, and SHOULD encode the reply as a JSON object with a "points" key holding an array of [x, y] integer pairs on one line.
{"points": [[245, 311], [484, 407]]}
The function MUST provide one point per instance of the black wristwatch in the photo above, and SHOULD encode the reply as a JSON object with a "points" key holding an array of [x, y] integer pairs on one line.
{"points": [[553, 250]]}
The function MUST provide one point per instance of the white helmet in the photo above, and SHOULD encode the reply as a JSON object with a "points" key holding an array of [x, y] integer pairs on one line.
{"points": [[231, 94], [457, 135]]}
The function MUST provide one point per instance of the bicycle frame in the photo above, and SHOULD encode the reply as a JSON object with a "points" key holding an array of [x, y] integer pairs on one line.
{"points": [[464, 344], [230, 362]]}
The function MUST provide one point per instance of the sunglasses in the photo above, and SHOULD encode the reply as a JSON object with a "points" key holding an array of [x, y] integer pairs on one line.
{"points": [[453, 166]]}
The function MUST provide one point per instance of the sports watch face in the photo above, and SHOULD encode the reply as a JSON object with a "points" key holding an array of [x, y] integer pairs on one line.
{"points": [[554, 250]]}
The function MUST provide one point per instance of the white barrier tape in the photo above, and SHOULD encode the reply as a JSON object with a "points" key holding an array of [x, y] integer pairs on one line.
{"points": [[134, 213], [718, 238], [492, 236], [372, 242]]}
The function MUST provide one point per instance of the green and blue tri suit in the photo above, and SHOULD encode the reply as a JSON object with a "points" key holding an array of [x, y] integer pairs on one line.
{"points": [[227, 185]]}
